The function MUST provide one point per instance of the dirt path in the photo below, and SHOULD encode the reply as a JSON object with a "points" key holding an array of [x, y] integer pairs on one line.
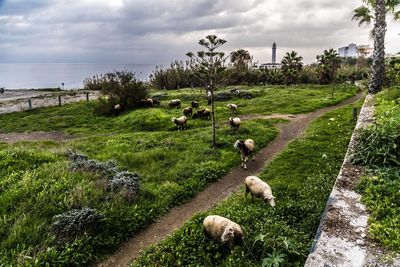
{"points": [[219, 190], [34, 136]]}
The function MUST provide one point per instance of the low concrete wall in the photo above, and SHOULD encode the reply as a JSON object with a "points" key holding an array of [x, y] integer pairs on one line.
{"points": [[341, 239]]}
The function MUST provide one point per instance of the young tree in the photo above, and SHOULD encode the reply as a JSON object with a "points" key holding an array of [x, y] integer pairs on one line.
{"points": [[375, 11], [291, 66], [209, 66]]}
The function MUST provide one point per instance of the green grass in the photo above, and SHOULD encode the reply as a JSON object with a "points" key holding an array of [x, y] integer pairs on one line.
{"points": [[380, 188], [301, 178], [37, 184]]}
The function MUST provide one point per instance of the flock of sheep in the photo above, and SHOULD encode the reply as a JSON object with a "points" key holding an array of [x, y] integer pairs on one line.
{"points": [[217, 227]]}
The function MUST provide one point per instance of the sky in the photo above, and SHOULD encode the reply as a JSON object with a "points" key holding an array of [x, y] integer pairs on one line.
{"points": [[160, 31]]}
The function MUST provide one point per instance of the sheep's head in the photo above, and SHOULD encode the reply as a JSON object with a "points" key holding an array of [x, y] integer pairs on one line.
{"points": [[229, 234], [173, 119], [238, 144], [270, 201]]}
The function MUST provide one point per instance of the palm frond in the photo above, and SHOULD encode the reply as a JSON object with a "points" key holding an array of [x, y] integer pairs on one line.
{"points": [[363, 14]]}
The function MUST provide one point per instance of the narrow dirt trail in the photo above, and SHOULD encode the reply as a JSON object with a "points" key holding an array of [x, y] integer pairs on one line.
{"points": [[219, 190]]}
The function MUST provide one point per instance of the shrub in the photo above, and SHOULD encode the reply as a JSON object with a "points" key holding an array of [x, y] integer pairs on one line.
{"points": [[83, 163], [119, 87], [379, 145], [178, 75], [127, 183], [74, 223]]}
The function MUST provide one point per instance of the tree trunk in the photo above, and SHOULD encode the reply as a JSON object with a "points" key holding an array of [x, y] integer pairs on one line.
{"points": [[378, 63], [214, 142]]}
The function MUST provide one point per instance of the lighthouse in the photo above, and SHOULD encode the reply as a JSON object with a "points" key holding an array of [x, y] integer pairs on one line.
{"points": [[273, 53]]}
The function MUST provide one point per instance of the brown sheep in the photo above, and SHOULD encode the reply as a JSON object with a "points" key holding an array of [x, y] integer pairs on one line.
{"points": [[246, 148]]}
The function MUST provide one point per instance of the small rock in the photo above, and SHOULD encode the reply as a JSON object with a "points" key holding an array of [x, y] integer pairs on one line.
{"points": [[360, 242], [363, 235]]}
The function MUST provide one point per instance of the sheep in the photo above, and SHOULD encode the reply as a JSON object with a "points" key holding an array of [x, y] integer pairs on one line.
{"points": [[232, 107], [188, 111], [258, 188], [234, 122], [202, 113], [223, 230], [175, 103], [235, 91], [246, 148], [195, 104], [117, 107], [180, 122], [146, 102]]}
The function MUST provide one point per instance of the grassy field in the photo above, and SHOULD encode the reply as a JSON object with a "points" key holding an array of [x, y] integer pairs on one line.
{"points": [[301, 178], [36, 182], [380, 188]]}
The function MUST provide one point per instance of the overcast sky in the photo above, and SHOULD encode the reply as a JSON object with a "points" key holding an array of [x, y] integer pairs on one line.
{"points": [[159, 31]]}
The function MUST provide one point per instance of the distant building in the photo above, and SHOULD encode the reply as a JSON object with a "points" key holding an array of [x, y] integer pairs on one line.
{"points": [[273, 64], [354, 51]]}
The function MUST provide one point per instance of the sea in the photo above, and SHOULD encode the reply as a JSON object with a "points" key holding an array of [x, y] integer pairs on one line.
{"points": [[53, 75]]}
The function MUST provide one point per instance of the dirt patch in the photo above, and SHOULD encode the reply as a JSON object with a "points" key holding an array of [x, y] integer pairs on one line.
{"points": [[219, 190], [351, 175], [267, 117], [34, 136]]}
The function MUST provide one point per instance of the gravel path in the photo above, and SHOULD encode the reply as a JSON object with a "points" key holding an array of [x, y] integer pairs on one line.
{"points": [[219, 190]]}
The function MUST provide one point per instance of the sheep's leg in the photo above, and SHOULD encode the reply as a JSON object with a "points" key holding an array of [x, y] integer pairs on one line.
{"points": [[245, 162], [242, 159]]}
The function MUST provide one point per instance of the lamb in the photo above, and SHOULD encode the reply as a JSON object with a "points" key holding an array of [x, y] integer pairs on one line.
{"points": [[180, 122], [175, 103], [260, 189], [245, 148], [232, 107], [187, 111], [234, 122], [202, 113], [195, 104], [223, 230]]}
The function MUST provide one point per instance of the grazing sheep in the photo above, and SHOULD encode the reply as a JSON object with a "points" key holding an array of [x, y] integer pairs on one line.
{"points": [[259, 188], [202, 113], [117, 107], [235, 91], [245, 148], [146, 102], [150, 102], [234, 122], [195, 104], [180, 122], [187, 111], [232, 107], [175, 103], [223, 230]]}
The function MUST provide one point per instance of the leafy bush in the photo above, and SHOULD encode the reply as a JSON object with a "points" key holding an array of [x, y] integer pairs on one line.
{"points": [[80, 162], [178, 75], [117, 88], [74, 223], [127, 183]]}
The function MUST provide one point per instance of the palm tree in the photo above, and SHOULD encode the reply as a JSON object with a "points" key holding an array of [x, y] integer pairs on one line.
{"points": [[375, 11], [240, 59], [328, 63], [291, 66]]}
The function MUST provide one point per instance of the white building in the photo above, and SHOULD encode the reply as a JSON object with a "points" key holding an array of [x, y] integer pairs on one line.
{"points": [[354, 51], [273, 64]]}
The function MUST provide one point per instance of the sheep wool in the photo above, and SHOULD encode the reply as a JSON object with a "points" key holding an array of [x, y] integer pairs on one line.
{"points": [[232, 107], [234, 122], [223, 230], [245, 148], [260, 189], [180, 122], [175, 103]]}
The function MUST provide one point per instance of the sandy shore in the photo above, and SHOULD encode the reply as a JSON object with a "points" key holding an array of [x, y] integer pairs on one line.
{"points": [[17, 100]]}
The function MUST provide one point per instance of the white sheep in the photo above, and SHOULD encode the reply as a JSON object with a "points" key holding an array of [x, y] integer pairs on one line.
{"points": [[260, 189], [175, 103], [180, 122], [223, 230], [234, 122], [245, 148], [232, 107], [117, 107]]}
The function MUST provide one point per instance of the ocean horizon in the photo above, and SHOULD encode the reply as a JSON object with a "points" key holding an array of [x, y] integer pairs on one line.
{"points": [[52, 75]]}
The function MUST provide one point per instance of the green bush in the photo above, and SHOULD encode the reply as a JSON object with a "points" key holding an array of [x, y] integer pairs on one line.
{"points": [[117, 88], [178, 75]]}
